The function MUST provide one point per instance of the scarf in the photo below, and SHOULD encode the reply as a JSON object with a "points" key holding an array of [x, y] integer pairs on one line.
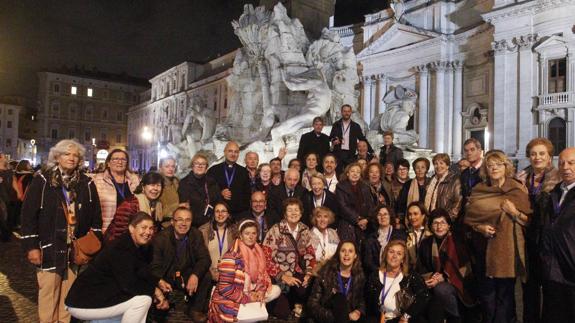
{"points": [[505, 254], [254, 263], [445, 259], [153, 208], [69, 182], [413, 193]]}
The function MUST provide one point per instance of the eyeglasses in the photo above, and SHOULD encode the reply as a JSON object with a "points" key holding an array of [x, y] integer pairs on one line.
{"points": [[119, 160], [495, 165], [179, 220], [439, 223], [200, 164]]}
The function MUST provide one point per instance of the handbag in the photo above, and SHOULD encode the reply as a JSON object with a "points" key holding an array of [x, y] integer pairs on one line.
{"points": [[252, 312], [85, 248]]}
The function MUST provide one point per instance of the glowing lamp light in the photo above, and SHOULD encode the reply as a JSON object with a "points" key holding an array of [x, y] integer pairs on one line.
{"points": [[146, 134]]}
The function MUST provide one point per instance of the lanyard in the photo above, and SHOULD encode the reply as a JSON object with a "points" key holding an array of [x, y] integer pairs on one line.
{"points": [[329, 183], [66, 197], [345, 129], [389, 234], [343, 288], [384, 293], [262, 229], [221, 241], [117, 186], [229, 177], [322, 200], [181, 247], [535, 190]]}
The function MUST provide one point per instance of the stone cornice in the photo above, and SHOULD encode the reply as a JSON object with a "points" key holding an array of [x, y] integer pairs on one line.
{"points": [[522, 9], [525, 41], [520, 42]]}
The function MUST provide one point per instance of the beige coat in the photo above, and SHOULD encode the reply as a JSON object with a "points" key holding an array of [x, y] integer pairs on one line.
{"points": [[169, 197]]}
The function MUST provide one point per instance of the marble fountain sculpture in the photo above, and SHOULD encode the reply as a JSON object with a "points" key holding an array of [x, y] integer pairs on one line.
{"points": [[279, 82]]}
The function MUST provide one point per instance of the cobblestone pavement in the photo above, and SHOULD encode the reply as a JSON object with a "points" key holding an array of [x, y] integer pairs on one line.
{"points": [[18, 288]]}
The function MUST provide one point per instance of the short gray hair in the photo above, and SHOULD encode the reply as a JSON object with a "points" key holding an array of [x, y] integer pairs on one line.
{"points": [[61, 148]]}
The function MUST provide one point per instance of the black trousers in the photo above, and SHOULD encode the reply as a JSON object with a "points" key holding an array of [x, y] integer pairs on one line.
{"points": [[532, 289], [558, 302], [497, 296]]}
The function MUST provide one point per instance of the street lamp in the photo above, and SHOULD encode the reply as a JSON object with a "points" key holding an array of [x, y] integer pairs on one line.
{"points": [[33, 143], [147, 137]]}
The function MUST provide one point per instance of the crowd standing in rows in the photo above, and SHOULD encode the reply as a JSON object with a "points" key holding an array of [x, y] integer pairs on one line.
{"points": [[341, 235]]}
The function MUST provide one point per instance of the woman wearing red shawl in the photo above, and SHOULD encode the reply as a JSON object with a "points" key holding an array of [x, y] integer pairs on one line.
{"points": [[499, 209], [242, 277], [444, 263]]}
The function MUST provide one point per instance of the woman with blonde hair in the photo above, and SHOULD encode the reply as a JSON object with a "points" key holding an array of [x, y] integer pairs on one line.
{"points": [[323, 239], [393, 293], [499, 209]]}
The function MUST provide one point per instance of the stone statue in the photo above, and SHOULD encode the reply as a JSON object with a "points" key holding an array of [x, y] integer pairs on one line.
{"points": [[317, 103], [400, 108]]}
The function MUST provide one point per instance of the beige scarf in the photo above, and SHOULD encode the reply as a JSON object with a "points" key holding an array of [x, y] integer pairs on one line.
{"points": [[144, 205], [413, 193], [505, 254], [431, 198]]}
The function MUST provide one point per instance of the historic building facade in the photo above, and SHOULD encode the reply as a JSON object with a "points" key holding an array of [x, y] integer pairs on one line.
{"points": [[174, 92], [9, 122], [89, 109], [500, 71]]}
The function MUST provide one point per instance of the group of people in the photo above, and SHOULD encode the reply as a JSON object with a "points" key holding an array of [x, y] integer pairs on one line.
{"points": [[342, 235]]}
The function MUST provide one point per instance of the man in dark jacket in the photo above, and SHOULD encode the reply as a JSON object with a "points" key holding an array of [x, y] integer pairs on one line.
{"points": [[558, 245], [259, 212], [181, 258], [470, 176], [344, 136], [313, 142], [389, 152], [233, 179], [289, 188]]}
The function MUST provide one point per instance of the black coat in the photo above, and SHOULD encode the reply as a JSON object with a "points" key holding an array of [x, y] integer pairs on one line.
{"points": [[355, 134], [372, 249], [193, 191], [277, 195], [401, 203], [312, 143], [558, 242], [196, 258], [350, 209], [240, 186], [270, 218], [412, 281], [44, 224], [394, 155], [120, 272], [308, 205], [325, 287]]}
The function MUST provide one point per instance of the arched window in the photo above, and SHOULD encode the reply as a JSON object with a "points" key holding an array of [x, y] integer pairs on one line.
{"points": [[557, 134]]}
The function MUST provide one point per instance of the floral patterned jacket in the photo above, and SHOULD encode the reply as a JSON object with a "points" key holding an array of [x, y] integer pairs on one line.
{"points": [[286, 255]]}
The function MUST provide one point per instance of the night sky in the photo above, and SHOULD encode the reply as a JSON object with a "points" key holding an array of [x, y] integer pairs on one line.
{"points": [[141, 38]]}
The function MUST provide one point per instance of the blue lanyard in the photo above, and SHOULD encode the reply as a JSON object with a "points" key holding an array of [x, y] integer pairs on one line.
{"points": [[389, 234], [262, 229], [533, 191], [66, 197], [384, 293], [343, 288], [221, 241], [229, 177], [122, 191]]}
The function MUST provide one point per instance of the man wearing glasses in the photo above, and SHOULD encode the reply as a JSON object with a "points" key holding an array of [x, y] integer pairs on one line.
{"points": [[259, 212], [182, 259]]}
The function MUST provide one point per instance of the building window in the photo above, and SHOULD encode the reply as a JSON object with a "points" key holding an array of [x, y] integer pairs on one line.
{"points": [[9, 124], [557, 134], [74, 90], [103, 135], [9, 112], [71, 134], [89, 114], [87, 134], [557, 76], [118, 138], [90, 92], [8, 142], [56, 88], [119, 116], [55, 110], [105, 115], [54, 134]]}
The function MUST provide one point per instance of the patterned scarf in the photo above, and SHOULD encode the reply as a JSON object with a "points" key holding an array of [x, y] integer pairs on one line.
{"points": [[69, 182], [254, 263]]}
